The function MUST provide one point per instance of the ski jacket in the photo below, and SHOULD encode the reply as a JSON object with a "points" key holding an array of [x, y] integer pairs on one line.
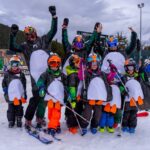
{"points": [[41, 43], [72, 81], [89, 75], [95, 38], [8, 77]]}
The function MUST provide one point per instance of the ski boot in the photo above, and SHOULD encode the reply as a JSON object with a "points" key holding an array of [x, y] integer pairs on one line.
{"points": [[131, 130], [28, 125], [102, 129], [52, 131], [58, 130], [84, 131], [110, 129], [125, 129], [11, 124], [40, 122], [93, 130], [73, 130], [19, 122]]}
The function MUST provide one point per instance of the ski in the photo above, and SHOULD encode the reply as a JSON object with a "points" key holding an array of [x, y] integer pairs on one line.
{"points": [[143, 114], [39, 136]]}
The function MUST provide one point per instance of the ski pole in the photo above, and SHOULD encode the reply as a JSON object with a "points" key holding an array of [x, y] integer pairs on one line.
{"points": [[70, 108]]}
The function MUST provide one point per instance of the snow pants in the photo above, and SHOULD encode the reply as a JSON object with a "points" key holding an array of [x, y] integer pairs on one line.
{"points": [[70, 117], [14, 111], [107, 120], [129, 116], [35, 103], [54, 114], [87, 114]]}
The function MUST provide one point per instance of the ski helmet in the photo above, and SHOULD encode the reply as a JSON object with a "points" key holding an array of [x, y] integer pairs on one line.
{"points": [[147, 61], [74, 60], [30, 33], [54, 60], [130, 64], [93, 59], [14, 62], [78, 43]]}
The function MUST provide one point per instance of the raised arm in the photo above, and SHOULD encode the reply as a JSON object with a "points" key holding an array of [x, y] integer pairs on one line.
{"points": [[95, 38], [13, 46], [50, 35], [65, 41], [132, 44]]}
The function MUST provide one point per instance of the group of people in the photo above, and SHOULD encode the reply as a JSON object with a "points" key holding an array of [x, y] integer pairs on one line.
{"points": [[99, 88]]}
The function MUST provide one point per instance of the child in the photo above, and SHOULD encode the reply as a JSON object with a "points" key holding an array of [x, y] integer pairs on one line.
{"points": [[134, 98], [93, 94], [51, 87], [72, 85], [14, 87], [111, 108]]}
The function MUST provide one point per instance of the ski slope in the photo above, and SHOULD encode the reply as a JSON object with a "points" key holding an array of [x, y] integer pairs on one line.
{"points": [[18, 139]]}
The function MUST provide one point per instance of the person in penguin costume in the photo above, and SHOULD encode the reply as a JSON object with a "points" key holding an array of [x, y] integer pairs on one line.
{"points": [[51, 87], [94, 91], [133, 99], [36, 53], [14, 87], [79, 46], [72, 86], [112, 108], [115, 55]]}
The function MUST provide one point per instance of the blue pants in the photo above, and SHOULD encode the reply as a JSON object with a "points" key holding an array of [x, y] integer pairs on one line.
{"points": [[107, 119]]}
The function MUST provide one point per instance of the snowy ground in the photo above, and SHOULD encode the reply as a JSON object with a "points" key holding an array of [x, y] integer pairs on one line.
{"points": [[18, 139]]}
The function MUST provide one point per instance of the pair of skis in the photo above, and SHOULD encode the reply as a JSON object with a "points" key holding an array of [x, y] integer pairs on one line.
{"points": [[42, 135]]}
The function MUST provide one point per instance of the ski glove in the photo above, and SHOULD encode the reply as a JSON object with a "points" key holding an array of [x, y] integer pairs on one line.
{"points": [[14, 29], [5, 90], [73, 104], [65, 22], [42, 92], [52, 10]]}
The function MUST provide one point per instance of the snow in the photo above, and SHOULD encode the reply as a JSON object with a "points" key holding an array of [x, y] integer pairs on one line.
{"points": [[18, 139]]}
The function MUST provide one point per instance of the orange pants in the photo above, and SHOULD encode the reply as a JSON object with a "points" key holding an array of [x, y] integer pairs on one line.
{"points": [[54, 114]]}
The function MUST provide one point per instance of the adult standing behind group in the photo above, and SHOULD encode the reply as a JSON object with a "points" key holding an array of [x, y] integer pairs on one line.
{"points": [[36, 53]]}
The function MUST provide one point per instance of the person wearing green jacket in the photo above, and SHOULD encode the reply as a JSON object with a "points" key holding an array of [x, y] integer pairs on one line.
{"points": [[35, 49]]}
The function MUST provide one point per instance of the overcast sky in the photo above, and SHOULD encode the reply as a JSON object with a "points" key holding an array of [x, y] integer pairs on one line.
{"points": [[115, 15]]}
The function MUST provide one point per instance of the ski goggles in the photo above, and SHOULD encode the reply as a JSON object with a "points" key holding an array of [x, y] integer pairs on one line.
{"points": [[78, 45], [54, 64], [130, 68], [15, 64], [94, 63]]}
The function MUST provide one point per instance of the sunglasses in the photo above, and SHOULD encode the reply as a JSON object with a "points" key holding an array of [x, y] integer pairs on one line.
{"points": [[15, 64]]}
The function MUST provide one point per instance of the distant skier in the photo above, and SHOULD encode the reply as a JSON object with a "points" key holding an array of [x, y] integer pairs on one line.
{"points": [[14, 87]]}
